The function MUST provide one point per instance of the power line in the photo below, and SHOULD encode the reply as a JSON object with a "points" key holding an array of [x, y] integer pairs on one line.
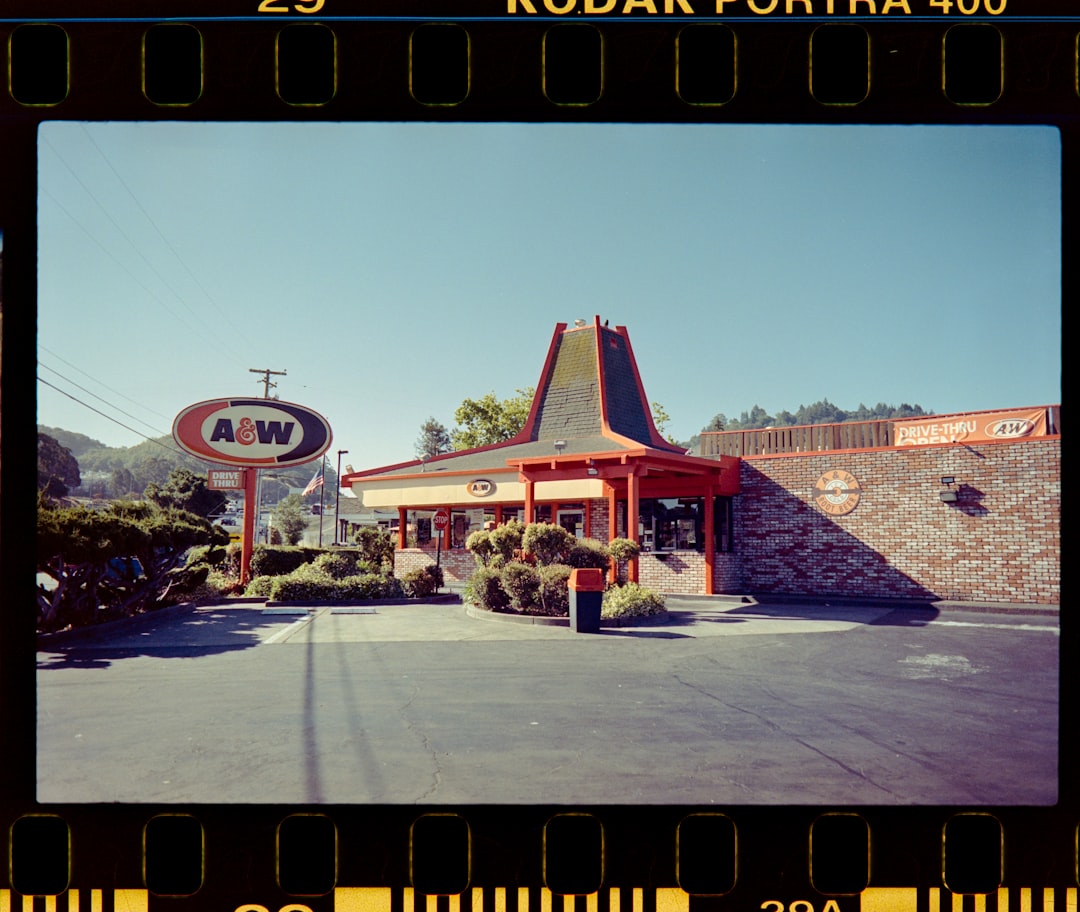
{"points": [[106, 401], [105, 385], [109, 417], [160, 234]]}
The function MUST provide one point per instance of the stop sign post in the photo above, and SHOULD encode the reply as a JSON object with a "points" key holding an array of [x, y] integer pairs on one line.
{"points": [[440, 521]]}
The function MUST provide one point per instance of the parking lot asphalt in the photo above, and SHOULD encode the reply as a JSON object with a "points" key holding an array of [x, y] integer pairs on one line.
{"points": [[725, 702]]}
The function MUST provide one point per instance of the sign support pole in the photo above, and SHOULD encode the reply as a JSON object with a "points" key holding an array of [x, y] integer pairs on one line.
{"points": [[247, 546]]}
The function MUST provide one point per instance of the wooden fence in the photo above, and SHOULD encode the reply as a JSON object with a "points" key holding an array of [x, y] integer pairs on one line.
{"points": [[818, 438]]}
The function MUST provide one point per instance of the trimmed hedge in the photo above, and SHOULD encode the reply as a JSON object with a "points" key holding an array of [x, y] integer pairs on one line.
{"points": [[423, 581], [631, 600], [278, 560]]}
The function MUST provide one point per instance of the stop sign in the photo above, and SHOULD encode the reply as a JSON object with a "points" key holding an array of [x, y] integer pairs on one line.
{"points": [[441, 520]]}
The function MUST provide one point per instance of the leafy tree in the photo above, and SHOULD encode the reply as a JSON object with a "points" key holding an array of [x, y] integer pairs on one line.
{"points": [[820, 412], [58, 469], [660, 418], [289, 519], [122, 482], [488, 420], [434, 440], [184, 490], [105, 564]]}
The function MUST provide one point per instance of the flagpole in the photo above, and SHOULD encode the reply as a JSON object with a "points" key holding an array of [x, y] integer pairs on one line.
{"points": [[322, 495]]}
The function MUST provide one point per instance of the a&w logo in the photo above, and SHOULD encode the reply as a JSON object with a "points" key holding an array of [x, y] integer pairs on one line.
{"points": [[252, 432], [249, 431]]}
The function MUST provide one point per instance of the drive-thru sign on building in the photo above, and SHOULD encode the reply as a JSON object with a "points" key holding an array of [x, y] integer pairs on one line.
{"points": [[251, 434]]}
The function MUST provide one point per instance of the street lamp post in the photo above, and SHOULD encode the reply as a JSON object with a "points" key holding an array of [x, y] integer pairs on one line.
{"points": [[337, 499]]}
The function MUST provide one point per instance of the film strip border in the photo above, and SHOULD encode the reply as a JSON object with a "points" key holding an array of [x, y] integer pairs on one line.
{"points": [[523, 899], [544, 66], [708, 859]]}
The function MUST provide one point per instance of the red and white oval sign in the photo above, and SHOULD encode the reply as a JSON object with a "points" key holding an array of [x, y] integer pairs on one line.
{"points": [[252, 432]]}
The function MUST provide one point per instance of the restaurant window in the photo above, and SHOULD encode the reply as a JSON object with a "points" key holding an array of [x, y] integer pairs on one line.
{"points": [[678, 523], [671, 524]]}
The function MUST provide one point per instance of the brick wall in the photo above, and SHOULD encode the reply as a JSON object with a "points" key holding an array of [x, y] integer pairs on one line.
{"points": [[677, 573], [457, 565], [1000, 541]]}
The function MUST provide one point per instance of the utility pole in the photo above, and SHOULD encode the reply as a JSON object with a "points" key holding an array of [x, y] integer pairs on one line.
{"points": [[266, 372], [256, 486]]}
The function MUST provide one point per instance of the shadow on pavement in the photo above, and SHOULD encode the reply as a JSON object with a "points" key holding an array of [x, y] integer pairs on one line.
{"points": [[916, 614], [187, 632]]}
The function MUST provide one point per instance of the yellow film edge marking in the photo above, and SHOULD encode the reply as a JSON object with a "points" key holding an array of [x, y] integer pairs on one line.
{"points": [[130, 900], [889, 899], [672, 899], [362, 899]]}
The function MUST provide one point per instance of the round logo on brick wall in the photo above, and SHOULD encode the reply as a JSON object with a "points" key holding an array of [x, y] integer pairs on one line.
{"points": [[837, 492]]}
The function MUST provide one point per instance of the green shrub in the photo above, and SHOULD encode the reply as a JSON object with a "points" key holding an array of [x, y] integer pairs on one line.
{"points": [[260, 586], [622, 549], [423, 581], [485, 590], [555, 590], [216, 586], [279, 560], [631, 600], [548, 542], [375, 545], [506, 539], [340, 564], [588, 552], [233, 554], [305, 583], [367, 586], [206, 554], [479, 545], [522, 583]]}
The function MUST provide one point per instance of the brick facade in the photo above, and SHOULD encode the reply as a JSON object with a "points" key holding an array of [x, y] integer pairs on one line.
{"points": [[999, 542]]}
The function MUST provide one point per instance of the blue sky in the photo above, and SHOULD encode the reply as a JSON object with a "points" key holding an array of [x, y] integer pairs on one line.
{"points": [[395, 269]]}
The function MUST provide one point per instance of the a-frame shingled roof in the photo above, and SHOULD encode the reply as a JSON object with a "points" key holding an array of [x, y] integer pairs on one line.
{"points": [[590, 398]]}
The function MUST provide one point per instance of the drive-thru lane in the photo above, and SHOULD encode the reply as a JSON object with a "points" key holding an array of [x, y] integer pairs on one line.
{"points": [[723, 704]]}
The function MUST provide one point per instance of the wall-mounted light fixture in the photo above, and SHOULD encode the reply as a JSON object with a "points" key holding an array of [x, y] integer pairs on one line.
{"points": [[948, 495], [592, 469]]}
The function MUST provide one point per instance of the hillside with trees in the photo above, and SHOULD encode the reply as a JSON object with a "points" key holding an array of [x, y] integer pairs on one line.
{"points": [[126, 472], [820, 412]]}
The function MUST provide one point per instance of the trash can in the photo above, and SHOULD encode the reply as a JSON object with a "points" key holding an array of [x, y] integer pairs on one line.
{"points": [[586, 595]]}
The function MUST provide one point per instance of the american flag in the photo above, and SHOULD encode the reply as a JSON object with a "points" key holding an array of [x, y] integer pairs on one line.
{"points": [[316, 482]]}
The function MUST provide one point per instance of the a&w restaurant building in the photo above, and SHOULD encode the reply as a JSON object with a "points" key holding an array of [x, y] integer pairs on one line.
{"points": [[949, 507]]}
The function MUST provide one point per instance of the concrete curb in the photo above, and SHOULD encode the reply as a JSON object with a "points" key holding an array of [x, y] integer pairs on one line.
{"points": [[438, 599], [898, 603], [543, 621], [84, 633]]}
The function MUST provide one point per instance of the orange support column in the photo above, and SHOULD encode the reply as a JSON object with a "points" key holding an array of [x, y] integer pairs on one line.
{"points": [[530, 501], [710, 539], [633, 508], [402, 528], [247, 545], [613, 527]]}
